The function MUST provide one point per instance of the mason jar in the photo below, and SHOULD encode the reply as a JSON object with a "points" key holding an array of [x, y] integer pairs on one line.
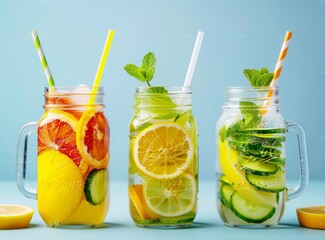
{"points": [[250, 167], [72, 158], [163, 158]]}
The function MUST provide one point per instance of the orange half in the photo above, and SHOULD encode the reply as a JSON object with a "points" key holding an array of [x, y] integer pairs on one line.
{"points": [[312, 217]]}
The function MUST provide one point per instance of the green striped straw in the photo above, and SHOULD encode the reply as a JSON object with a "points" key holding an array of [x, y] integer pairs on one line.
{"points": [[43, 59]]}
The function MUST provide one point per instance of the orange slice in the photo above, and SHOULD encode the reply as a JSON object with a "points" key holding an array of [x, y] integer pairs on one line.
{"points": [[163, 151], [15, 216], [93, 138], [139, 203], [312, 217], [57, 131]]}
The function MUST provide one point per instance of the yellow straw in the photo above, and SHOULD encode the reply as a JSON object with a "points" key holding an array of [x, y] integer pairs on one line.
{"points": [[101, 66]]}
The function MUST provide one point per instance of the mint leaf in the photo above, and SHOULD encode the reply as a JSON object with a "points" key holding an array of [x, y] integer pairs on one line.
{"points": [[136, 72], [259, 78], [223, 133], [157, 90], [147, 70], [149, 65], [250, 111], [159, 97]]}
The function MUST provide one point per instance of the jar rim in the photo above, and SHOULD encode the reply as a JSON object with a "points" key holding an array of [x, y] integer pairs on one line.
{"points": [[239, 89], [170, 89], [76, 90]]}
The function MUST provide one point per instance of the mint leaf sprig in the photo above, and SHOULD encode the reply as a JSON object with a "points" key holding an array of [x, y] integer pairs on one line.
{"points": [[259, 78], [146, 71]]}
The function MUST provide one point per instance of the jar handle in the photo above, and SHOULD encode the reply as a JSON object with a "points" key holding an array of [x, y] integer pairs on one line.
{"points": [[303, 160], [21, 160]]}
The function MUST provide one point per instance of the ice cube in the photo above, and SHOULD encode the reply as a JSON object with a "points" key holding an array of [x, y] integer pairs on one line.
{"points": [[81, 95]]}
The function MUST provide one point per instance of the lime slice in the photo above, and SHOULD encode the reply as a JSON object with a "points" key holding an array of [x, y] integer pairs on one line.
{"points": [[172, 197], [163, 151]]}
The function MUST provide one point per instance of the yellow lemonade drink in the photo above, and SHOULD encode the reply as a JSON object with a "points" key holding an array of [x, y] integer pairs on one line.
{"points": [[163, 160], [73, 157]]}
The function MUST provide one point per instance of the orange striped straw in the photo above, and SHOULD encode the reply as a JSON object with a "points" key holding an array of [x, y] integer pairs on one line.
{"points": [[278, 68]]}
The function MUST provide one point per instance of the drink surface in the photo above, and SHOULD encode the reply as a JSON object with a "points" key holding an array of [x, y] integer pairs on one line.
{"points": [[73, 157], [163, 162]]}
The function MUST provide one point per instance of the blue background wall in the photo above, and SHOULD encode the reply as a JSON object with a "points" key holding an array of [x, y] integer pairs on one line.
{"points": [[238, 34]]}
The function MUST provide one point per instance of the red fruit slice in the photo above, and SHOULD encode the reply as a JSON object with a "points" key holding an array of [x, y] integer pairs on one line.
{"points": [[56, 131], [93, 138]]}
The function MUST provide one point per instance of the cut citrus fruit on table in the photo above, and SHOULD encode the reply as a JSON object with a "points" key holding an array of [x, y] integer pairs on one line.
{"points": [[137, 198], [312, 217], [57, 131], [171, 197], [60, 187], [15, 216], [93, 138], [163, 151]]}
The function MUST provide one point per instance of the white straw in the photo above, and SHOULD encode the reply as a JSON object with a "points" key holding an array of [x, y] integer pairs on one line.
{"points": [[195, 54]]}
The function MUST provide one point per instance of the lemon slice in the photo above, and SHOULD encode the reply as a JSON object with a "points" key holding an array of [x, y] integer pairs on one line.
{"points": [[60, 187], [163, 151], [312, 217], [228, 161], [171, 198], [15, 216]]}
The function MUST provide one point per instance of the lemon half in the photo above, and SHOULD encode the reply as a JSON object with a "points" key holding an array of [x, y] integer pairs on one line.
{"points": [[15, 216]]}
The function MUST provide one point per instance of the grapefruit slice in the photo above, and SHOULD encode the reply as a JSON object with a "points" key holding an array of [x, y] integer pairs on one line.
{"points": [[93, 138], [56, 131]]}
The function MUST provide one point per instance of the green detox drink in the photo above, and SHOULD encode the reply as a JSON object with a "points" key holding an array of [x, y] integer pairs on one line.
{"points": [[251, 134], [163, 160]]}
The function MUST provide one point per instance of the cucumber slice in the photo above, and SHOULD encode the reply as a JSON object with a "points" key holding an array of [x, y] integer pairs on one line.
{"points": [[274, 160], [225, 194], [260, 168], [271, 183], [277, 160], [224, 180], [265, 130], [185, 218], [254, 149], [248, 211], [96, 186]]}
